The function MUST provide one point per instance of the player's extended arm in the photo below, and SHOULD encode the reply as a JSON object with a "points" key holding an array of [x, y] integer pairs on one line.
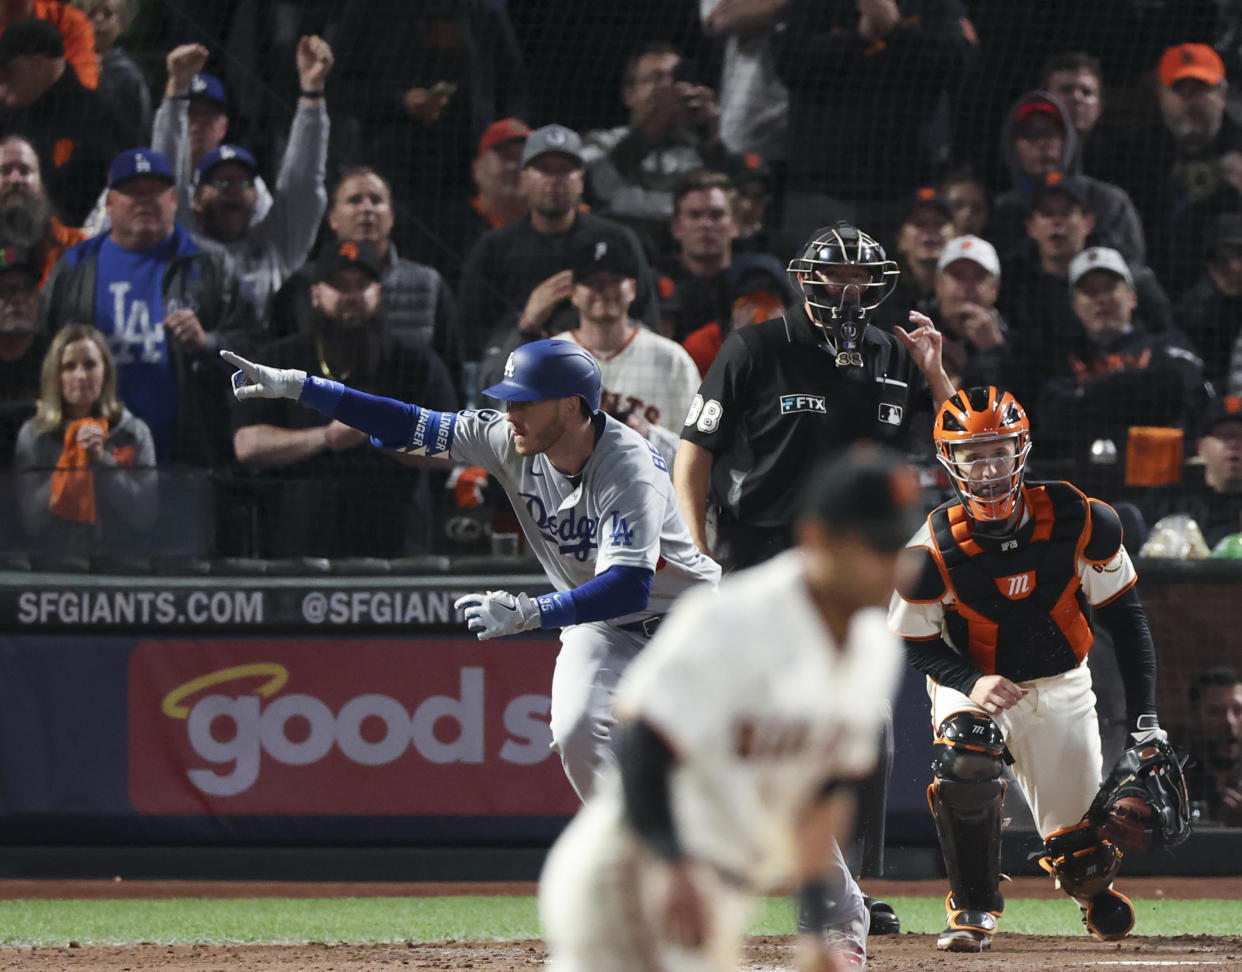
{"points": [[390, 423], [692, 471], [646, 762]]}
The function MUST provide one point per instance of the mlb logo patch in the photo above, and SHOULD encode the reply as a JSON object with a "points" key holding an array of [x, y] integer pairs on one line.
{"points": [[804, 403], [890, 414]]}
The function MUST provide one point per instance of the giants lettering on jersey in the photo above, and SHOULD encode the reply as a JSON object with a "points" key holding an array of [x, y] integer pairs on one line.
{"points": [[774, 737], [572, 534], [621, 407]]}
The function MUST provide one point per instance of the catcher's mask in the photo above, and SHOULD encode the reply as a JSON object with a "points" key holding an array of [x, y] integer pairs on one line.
{"points": [[982, 439], [843, 275]]}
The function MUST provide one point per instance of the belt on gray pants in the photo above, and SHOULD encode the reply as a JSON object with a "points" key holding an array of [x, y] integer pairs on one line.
{"points": [[646, 627]]}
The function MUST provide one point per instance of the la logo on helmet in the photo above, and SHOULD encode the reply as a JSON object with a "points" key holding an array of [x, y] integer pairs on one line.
{"points": [[510, 370]]}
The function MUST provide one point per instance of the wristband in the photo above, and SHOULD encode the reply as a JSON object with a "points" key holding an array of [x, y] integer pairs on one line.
{"points": [[311, 94]]}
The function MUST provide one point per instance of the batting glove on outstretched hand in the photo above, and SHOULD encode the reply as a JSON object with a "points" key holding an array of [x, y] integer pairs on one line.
{"points": [[496, 613], [259, 381]]}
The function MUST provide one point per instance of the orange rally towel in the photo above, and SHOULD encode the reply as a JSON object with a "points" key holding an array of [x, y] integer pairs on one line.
{"points": [[73, 484]]}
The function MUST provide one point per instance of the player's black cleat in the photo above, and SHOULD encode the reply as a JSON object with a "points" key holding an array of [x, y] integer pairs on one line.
{"points": [[1109, 916], [884, 920]]}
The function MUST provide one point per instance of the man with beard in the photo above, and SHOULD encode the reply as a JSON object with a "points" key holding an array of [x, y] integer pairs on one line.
{"points": [[225, 193], [26, 218], [165, 303], [516, 284], [418, 306], [1192, 162], [317, 469], [42, 98], [22, 344], [1214, 776]]}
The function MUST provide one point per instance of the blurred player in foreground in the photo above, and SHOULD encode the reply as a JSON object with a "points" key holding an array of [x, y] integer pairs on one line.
{"points": [[595, 503], [1000, 621], [744, 727]]}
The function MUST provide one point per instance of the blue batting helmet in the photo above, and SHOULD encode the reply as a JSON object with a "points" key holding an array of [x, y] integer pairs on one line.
{"points": [[549, 369]]}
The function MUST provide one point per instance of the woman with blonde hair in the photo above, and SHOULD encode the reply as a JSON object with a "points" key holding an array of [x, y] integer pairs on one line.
{"points": [[88, 482]]}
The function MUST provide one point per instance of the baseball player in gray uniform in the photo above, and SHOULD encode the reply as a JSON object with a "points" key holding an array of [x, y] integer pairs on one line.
{"points": [[595, 502]]}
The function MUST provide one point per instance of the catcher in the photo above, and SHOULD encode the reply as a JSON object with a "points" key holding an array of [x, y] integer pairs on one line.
{"points": [[1000, 622]]}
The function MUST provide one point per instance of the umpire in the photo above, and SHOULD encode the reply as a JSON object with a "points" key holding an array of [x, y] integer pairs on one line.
{"points": [[786, 391], [783, 393]]}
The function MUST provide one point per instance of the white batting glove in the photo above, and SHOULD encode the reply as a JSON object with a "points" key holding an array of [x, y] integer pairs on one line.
{"points": [[496, 613], [1147, 730], [259, 381]]}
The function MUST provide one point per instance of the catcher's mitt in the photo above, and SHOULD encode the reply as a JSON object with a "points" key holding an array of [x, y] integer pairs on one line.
{"points": [[1143, 805]]}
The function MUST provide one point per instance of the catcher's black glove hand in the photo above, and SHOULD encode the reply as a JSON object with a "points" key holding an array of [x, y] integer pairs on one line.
{"points": [[1144, 805]]}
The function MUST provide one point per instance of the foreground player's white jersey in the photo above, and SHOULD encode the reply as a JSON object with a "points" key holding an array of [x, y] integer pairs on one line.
{"points": [[761, 707], [620, 511]]}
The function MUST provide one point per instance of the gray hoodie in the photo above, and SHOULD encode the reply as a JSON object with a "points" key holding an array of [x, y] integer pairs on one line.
{"points": [[1117, 222]]}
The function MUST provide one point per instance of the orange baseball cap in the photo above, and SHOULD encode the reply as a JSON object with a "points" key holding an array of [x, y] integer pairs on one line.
{"points": [[505, 130], [1198, 61]]}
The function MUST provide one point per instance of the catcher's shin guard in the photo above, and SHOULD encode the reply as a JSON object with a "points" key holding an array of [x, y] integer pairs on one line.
{"points": [[965, 799], [1084, 865]]}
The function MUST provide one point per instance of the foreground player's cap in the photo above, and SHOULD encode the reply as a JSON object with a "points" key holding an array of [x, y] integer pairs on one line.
{"points": [[867, 490]]}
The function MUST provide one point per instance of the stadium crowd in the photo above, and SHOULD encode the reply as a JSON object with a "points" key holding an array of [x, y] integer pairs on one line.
{"points": [[400, 208]]}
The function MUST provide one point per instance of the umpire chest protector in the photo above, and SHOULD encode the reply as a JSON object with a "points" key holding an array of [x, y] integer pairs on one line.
{"points": [[1020, 610]]}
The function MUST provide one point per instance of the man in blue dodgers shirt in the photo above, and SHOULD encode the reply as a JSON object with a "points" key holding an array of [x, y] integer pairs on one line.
{"points": [[167, 302], [595, 502]]}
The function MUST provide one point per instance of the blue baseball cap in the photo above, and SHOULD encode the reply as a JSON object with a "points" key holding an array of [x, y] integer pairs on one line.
{"points": [[227, 153], [139, 163], [209, 88]]}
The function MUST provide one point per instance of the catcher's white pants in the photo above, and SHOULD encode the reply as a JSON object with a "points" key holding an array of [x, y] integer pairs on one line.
{"points": [[600, 899], [592, 658], [1054, 737]]}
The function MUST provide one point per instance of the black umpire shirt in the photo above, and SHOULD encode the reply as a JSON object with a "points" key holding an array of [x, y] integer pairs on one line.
{"points": [[774, 401]]}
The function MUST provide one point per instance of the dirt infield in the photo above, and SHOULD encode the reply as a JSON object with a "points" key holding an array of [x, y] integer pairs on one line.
{"points": [[1013, 953]]}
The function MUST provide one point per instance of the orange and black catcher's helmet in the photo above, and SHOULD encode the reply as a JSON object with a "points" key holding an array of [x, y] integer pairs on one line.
{"points": [[996, 428]]}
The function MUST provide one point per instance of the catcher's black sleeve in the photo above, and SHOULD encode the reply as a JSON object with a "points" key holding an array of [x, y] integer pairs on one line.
{"points": [[937, 659], [646, 761], [1136, 654]]}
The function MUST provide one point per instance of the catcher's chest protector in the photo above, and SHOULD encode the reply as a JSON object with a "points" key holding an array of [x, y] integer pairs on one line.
{"points": [[1020, 609]]}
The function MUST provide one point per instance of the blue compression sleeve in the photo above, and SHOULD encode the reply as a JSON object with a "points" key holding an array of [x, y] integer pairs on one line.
{"points": [[616, 592], [390, 423]]}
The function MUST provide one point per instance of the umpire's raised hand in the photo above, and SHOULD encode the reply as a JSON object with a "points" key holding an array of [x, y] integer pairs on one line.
{"points": [[259, 381]]}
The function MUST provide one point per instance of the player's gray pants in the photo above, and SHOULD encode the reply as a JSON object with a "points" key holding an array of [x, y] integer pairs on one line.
{"points": [[592, 658], [841, 903]]}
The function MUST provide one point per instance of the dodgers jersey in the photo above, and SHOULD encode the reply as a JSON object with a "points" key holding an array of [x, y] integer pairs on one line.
{"points": [[761, 707], [621, 509]]}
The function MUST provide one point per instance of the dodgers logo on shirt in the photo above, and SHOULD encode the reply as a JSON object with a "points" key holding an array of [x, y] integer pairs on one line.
{"points": [[620, 533], [574, 535], [804, 403]]}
